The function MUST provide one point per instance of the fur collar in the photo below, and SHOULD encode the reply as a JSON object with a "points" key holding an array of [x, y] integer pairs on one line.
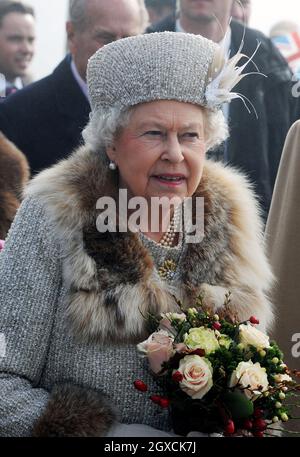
{"points": [[109, 277]]}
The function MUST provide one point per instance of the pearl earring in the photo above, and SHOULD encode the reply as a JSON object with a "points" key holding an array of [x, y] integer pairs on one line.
{"points": [[112, 166]]}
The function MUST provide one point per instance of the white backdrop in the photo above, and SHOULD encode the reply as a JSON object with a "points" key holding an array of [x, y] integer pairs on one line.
{"points": [[51, 36], [267, 12]]}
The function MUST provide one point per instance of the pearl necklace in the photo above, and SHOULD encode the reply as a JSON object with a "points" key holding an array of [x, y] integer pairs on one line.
{"points": [[169, 237]]}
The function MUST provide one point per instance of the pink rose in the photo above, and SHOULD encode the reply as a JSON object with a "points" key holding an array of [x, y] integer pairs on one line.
{"points": [[197, 375], [1, 245], [158, 348]]}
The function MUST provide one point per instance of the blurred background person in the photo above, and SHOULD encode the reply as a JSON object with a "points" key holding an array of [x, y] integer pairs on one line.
{"points": [[241, 11], [283, 241], [14, 174], [45, 120], [160, 9], [283, 246], [286, 37], [17, 43], [257, 137]]}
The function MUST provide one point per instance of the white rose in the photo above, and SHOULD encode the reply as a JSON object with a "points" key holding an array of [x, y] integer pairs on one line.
{"points": [[249, 335], [282, 378], [197, 375], [251, 378]]}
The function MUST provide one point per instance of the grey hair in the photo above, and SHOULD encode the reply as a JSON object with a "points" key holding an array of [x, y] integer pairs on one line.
{"points": [[77, 13], [78, 17], [104, 126]]}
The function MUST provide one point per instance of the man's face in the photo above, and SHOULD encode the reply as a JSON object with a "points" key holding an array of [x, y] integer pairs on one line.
{"points": [[205, 10], [17, 39], [107, 21], [157, 16], [241, 11]]}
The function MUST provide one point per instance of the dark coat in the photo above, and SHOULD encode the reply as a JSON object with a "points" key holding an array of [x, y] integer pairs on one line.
{"points": [[255, 145], [45, 119], [14, 174]]}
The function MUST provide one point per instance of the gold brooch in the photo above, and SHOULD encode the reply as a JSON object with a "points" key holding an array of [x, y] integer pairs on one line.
{"points": [[168, 269]]}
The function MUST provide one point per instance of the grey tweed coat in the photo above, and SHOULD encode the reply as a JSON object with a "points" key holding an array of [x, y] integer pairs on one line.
{"points": [[72, 299]]}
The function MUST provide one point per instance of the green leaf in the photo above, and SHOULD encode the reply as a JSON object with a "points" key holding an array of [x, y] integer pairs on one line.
{"points": [[238, 404]]}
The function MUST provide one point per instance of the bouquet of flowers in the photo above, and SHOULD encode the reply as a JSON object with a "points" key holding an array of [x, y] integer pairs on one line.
{"points": [[222, 376]]}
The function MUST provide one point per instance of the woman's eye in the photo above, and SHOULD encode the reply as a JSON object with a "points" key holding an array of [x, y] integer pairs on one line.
{"points": [[190, 135], [154, 133]]}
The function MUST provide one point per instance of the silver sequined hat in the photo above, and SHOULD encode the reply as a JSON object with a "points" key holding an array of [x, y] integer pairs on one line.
{"points": [[161, 66]]}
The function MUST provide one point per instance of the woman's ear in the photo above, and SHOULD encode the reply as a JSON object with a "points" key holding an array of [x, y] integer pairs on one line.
{"points": [[111, 153]]}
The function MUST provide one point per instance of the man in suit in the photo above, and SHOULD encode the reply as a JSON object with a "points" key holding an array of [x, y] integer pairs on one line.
{"points": [[45, 119], [17, 43], [255, 143], [159, 9]]}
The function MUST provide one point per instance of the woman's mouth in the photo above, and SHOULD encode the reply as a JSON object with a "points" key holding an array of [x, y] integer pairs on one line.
{"points": [[170, 179]]}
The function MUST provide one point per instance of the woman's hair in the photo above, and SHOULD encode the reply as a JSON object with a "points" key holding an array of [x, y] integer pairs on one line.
{"points": [[104, 126]]}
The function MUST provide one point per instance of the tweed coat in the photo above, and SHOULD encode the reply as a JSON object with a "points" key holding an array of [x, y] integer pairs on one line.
{"points": [[72, 299]]}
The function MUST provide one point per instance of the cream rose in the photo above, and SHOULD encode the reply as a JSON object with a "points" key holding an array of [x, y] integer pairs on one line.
{"points": [[282, 378], [250, 335], [158, 348], [251, 378], [197, 375]]}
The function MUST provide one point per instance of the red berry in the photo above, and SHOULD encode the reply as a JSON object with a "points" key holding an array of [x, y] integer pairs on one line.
{"points": [[200, 352], [248, 424], [229, 428], [217, 326], [254, 320], [258, 434], [155, 399], [259, 425], [164, 402], [177, 376], [258, 413], [140, 385]]}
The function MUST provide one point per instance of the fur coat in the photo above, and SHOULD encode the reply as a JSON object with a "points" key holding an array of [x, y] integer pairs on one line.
{"points": [[110, 276], [14, 173]]}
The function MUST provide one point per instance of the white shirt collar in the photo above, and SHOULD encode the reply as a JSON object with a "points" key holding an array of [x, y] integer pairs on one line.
{"points": [[82, 84], [18, 83]]}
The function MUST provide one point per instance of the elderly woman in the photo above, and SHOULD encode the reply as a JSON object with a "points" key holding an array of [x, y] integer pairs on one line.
{"points": [[74, 296]]}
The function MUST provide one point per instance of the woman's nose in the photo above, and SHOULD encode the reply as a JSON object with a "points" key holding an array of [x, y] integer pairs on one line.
{"points": [[172, 149]]}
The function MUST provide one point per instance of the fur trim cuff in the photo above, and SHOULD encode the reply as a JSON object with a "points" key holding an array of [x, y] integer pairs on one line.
{"points": [[75, 411]]}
